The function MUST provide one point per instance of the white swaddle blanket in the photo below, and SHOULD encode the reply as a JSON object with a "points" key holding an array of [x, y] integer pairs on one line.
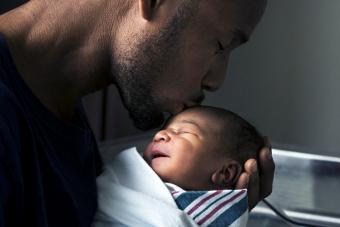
{"points": [[130, 193]]}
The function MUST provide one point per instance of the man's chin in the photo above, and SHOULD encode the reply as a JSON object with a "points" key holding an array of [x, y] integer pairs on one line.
{"points": [[148, 122]]}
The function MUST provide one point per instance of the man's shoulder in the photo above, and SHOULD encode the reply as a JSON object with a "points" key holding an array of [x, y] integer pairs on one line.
{"points": [[11, 125], [11, 115], [8, 102]]}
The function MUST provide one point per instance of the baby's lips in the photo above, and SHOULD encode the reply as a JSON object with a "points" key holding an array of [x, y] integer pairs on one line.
{"points": [[157, 151]]}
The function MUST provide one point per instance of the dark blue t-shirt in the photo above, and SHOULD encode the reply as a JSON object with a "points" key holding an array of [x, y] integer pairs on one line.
{"points": [[48, 167]]}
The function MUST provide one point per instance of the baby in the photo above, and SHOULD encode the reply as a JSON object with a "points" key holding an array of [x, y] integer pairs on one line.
{"points": [[203, 148], [199, 154]]}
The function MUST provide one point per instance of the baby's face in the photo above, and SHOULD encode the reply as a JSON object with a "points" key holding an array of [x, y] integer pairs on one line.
{"points": [[184, 153]]}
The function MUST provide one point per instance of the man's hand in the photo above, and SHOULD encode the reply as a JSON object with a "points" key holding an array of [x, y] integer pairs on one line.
{"points": [[258, 182]]}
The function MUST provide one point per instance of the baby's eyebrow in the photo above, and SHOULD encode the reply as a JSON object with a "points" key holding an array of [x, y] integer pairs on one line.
{"points": [[192, 123]]}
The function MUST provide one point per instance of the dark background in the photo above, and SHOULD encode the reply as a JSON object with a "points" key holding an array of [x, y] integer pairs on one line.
{"points": [[6, 5]]}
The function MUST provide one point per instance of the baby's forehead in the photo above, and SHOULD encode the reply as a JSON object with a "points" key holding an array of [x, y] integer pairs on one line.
{"points": [[186, 115], [200, 118]]}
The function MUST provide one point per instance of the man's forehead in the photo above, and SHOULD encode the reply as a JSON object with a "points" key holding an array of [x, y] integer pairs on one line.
{"points": [[223, 6], [239, 15]]}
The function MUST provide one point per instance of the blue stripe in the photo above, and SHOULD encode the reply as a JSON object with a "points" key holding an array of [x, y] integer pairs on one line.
{"points": [[231, 214], [186, 198], [212, 203]]}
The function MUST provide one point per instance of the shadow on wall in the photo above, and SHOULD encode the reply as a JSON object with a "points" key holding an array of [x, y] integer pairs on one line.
{"points": [[286, 79]]}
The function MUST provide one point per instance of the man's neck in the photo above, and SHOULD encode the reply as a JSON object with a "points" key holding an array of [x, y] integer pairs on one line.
{"points": [[60, 53]]}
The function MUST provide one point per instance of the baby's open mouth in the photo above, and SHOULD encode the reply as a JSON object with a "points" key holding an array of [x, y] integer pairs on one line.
{"points": [[159, 154]]}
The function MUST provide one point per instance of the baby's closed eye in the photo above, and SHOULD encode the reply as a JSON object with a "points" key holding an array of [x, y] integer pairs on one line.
{"points": [[186, 132], [182, 132], [179, 131]]}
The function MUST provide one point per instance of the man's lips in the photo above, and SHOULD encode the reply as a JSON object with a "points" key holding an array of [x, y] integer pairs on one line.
{"points": [[178, 109], [184, 105]]}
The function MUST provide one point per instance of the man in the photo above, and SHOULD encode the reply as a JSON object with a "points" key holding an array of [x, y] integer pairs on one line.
{"points": [[161, 55]]}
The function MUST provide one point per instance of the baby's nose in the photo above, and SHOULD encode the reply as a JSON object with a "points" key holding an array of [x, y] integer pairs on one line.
{"points": [[161, 136]]}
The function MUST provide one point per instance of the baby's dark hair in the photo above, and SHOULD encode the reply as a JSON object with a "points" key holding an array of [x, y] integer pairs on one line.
{"points": [[236, 137]]}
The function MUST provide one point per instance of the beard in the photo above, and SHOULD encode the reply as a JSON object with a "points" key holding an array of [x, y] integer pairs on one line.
{"points": [[137, 98], [138, 71], [136, 80]]}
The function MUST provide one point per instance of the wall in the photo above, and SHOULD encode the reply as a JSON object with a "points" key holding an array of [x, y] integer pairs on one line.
{"points": [[6, 5], [286, 80]]}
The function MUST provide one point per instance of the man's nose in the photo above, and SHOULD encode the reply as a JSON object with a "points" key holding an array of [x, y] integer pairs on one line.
{"points": [[215, 77], [161, 136]]}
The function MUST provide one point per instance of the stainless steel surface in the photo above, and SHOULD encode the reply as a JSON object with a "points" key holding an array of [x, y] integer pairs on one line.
{"points": [[305, 186]]}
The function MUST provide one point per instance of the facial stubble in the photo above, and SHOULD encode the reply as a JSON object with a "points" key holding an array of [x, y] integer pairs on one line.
{"points": [[139, 72]]}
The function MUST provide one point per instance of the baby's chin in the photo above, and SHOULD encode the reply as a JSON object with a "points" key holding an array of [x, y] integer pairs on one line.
{"points": [[184, 184], [166, 175], [194, 186]]}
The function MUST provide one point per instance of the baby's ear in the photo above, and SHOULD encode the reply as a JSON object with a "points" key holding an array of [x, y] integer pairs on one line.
{"points": [[227, 175]]}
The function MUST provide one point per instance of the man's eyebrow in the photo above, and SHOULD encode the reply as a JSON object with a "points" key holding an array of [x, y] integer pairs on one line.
{"points": [[241, 35]]}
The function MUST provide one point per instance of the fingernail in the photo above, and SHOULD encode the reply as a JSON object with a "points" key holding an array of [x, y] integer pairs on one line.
{"points": [[254, 167], [269, 154]]}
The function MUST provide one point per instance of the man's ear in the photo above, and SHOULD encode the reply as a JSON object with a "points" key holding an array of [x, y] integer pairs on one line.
{"points": [[147, 8], [227, 175]]}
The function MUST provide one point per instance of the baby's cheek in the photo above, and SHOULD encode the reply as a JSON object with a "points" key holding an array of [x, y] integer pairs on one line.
{"points": [[163, 170], [173, 174]]}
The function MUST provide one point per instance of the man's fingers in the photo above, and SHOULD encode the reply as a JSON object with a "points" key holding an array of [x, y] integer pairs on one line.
{"points": [[260, 181], [243, 181], [267, 142], [267, 168], [253, 186]]}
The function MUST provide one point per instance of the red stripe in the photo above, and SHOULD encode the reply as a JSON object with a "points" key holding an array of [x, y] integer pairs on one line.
{"points": [[219, 207], [202, 201]]}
